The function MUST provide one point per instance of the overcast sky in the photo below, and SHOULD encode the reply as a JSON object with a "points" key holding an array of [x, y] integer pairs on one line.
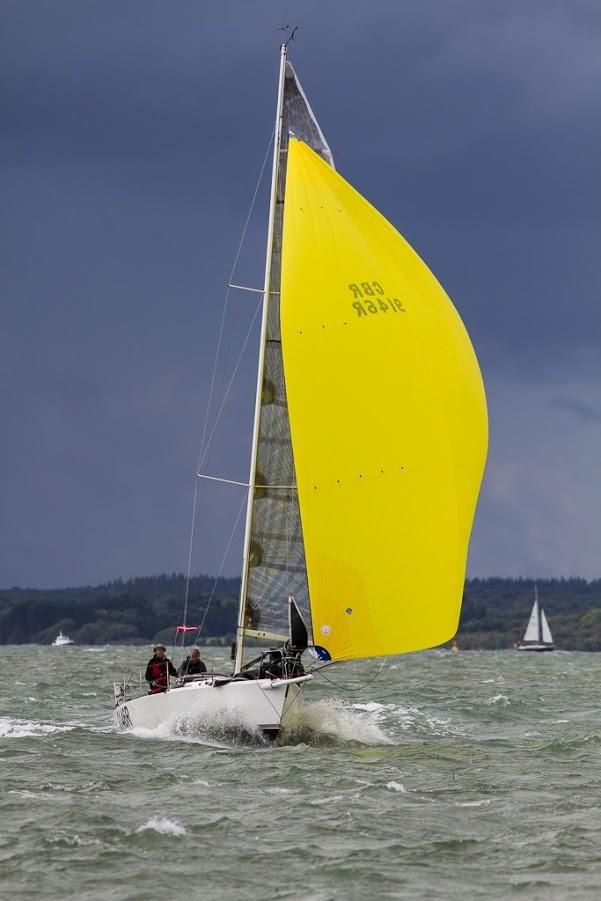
{"points": [[132, 137]]}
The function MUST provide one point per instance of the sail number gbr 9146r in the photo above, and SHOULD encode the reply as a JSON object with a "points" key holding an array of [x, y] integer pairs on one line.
{"points": [[370, 298]]}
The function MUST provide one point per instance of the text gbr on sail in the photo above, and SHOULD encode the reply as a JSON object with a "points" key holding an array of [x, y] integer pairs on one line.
{"points": [[373, 299]]}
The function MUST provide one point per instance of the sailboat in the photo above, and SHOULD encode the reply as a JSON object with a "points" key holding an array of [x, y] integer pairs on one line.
{"points": [[537, 636], [368, 450]]}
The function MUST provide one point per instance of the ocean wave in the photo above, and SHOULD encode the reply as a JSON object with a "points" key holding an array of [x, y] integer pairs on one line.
{"points": [[73, 841], [217, 729], [484, 803], [408, 719], [332, 722], [15, 728], [396, 787], [503, 700], [164, 826]]}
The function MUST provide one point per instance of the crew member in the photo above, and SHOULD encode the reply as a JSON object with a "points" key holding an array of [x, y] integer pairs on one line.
{"points": [[158, 670], [192, 665]]}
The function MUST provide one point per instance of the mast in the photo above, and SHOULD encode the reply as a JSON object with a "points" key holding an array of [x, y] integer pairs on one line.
{"points": [[261, 363]]}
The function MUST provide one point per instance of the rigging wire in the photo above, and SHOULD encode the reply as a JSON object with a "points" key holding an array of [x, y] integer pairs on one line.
{"points": [[319, 669], [222, 564], [204, 449], [229, 386]]}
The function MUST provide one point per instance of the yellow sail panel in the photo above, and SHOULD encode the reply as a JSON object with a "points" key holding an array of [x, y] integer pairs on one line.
{"points": [[388, 421]]}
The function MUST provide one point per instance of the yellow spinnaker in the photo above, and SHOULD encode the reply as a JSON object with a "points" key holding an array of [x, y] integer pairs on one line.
{"points": [[388, 420]]}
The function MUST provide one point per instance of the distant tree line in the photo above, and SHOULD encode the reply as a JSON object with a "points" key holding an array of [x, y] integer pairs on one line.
{"points": [[137, 611]]}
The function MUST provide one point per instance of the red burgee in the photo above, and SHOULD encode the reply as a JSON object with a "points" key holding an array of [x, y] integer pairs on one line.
{"points": [[187, 628]]}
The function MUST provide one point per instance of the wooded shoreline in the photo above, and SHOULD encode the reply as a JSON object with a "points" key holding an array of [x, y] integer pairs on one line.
{"points": [[137, 611]]}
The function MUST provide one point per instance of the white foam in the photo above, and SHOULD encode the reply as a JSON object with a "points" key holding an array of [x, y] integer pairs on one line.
{"points": [[503, 700], [333, 719], [373, 707], [409, 719], [75, 841], [330, 800], [216, 728], [14, 728], [163, 825], [396, 787], [484, 803]]}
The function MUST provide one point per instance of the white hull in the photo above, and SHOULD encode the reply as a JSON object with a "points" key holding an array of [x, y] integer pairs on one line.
{"points": [[61, 642], [253, 704], [535, 646]]}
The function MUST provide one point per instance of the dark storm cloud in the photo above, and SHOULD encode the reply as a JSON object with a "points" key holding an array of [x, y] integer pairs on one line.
{"points": [[132, 135]]}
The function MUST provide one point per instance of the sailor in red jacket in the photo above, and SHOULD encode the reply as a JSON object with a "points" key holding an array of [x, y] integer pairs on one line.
{"points": [[158, 670]]}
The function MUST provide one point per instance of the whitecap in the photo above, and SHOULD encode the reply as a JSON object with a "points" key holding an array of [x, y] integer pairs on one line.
{"points": [[163, 825], [75, 841], [373, 706], [498, 699], [14, 728], [330, 800], [484, 803], [396, 787]]}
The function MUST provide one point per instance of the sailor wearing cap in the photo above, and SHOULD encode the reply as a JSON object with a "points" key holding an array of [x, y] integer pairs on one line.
{"points": [[158, 670]]}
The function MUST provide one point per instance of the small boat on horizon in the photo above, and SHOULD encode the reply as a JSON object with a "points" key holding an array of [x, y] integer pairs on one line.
{"points": [[61, 640], [537, 636]]}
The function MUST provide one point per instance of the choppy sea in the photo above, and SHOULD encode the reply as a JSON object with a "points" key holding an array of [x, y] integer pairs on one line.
{"points": [[445, 775]]}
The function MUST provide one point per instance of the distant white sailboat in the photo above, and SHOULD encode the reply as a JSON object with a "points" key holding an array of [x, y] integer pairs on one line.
{"points": [[537, 636], [61, 640]]}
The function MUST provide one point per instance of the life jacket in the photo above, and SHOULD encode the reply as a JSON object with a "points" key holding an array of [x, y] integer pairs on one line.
{"points": [[158, 675]]}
